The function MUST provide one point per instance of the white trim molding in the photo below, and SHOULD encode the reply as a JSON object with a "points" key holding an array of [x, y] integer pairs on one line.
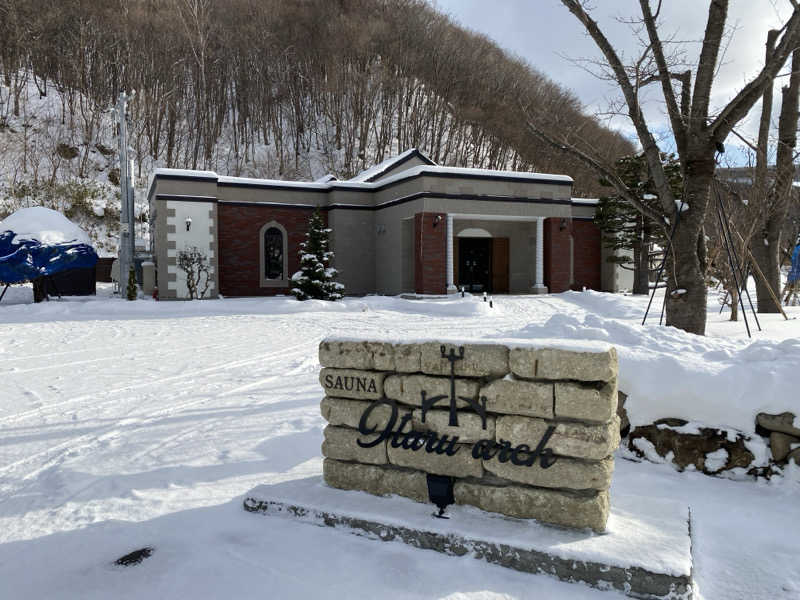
{"points": [[449, 257], [539, 287]]}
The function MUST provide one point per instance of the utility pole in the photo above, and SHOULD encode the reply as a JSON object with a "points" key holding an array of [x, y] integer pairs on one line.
{"points": [[127, 220]]}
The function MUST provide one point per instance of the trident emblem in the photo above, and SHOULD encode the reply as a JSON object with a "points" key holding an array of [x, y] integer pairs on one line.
{"points": [[427, 403]]}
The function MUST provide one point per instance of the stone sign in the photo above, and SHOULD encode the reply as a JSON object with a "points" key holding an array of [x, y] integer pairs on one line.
{"points": [[525, 432]]}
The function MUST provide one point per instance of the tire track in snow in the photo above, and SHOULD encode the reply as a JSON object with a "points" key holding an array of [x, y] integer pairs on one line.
{"points": [[60, 405], [90, 439]]}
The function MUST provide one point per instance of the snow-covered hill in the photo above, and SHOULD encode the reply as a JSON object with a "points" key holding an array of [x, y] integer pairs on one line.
{"points": [[61, 152]]}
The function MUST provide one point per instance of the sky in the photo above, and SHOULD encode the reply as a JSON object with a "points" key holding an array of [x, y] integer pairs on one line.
{"points": [[550, 38]]}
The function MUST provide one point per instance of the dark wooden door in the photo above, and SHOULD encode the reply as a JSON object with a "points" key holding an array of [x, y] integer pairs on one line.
{"points": [[475, 264], [500, 265]]}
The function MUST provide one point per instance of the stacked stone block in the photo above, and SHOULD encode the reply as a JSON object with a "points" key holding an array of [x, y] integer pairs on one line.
{"points": [[525, 390]]}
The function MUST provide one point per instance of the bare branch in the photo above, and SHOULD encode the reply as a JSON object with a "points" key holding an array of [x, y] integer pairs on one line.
{"points": [[749, 94], [675, 115], [651, 151], [597, 165], [712, 39], [763, 126]]}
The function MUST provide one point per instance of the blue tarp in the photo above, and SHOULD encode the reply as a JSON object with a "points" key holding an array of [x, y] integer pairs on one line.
{"points": [[26, 260], [794, 273]]}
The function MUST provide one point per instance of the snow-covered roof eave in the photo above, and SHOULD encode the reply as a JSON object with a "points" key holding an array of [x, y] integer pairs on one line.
{"points": [[406, 174], [373, 172], [182, 173]]}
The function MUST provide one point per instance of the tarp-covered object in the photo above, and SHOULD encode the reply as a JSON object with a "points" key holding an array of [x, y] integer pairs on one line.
{"points": [[37, 241], [794, 273]]}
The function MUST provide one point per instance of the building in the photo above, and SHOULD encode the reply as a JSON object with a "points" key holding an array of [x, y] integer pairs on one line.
{"points": [[406, 225]]}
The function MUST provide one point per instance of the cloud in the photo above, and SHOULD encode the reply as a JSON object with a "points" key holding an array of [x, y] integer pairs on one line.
{"points": [[551, 39]]}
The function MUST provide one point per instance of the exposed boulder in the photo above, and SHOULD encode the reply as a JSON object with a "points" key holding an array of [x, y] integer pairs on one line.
{"points": [[783, 423], [781, 432], [104, 150], [709, 450], [624, 423], [781, 444], [66, 151]]}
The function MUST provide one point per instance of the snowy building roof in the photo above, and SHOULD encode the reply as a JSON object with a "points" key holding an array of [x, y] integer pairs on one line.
{"points": [[371, 178], [326, 178], [389, 164], [185, 173]]}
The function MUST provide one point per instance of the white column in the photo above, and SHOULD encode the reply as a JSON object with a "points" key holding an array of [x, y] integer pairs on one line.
{"points": [[539, 287], [451, 288]]}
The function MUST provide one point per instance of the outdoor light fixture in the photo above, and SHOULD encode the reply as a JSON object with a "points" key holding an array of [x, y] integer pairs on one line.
{"points": [[436, 220], [440, 492], [188, 223], [563, 225]]}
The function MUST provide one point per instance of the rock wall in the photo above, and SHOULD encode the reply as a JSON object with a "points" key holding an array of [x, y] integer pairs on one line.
{"points": [[528, 433]]}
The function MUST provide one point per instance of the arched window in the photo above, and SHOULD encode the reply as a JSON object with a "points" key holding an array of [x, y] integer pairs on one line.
{"points": [[273, 253], [274, 265]]}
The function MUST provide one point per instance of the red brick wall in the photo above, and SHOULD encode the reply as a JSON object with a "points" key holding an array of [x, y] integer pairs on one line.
{"points": [[430, 253], [556, 255], [239, 249], [587, 255]]}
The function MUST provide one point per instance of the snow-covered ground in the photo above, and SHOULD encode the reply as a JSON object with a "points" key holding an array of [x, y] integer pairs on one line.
{"points": [[132, 424]]}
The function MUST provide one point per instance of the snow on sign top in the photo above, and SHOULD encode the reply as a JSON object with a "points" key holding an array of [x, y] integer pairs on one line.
{"points": [[44, 225], [574, 345]]}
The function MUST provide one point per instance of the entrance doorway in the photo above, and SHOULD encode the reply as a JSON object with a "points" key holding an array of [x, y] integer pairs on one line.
{"points": [[482, 264], [475, 264]]}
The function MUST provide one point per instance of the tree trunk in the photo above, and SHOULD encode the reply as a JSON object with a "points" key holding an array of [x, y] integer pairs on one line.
{"points": [[734, 297], [686, 287], [641, 272], [766, 252], [766, 248], [686, 260]]}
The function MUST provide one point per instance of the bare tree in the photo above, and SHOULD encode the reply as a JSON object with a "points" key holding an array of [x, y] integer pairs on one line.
{"points": [[195, 265], [773, 200], [698, 136]]}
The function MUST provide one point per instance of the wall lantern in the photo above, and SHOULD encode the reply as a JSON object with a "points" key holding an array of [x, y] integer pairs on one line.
{"points": [[188, 223], [440, 492], [563, 225], [436, 220]]}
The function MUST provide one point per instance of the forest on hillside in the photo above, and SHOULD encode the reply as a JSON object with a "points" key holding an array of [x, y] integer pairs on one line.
{"points": [[275, 88]]}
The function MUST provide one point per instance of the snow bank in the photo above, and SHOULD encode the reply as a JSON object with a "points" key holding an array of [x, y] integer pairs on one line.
{"points": [[45, 225], [667, 372]]}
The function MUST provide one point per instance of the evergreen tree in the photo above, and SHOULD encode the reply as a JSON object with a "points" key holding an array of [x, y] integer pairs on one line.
{"points": [[316, 278], [627, 231], [131, 291]]}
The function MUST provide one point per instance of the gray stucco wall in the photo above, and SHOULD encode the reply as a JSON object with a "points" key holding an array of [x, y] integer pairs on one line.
{"points": [[353, 244]]}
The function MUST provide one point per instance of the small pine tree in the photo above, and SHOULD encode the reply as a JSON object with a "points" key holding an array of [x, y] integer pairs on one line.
{"points": [[131, 292], [316, 278]]}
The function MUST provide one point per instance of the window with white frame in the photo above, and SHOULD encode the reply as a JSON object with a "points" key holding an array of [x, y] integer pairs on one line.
{"points": [[274, 255]]}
